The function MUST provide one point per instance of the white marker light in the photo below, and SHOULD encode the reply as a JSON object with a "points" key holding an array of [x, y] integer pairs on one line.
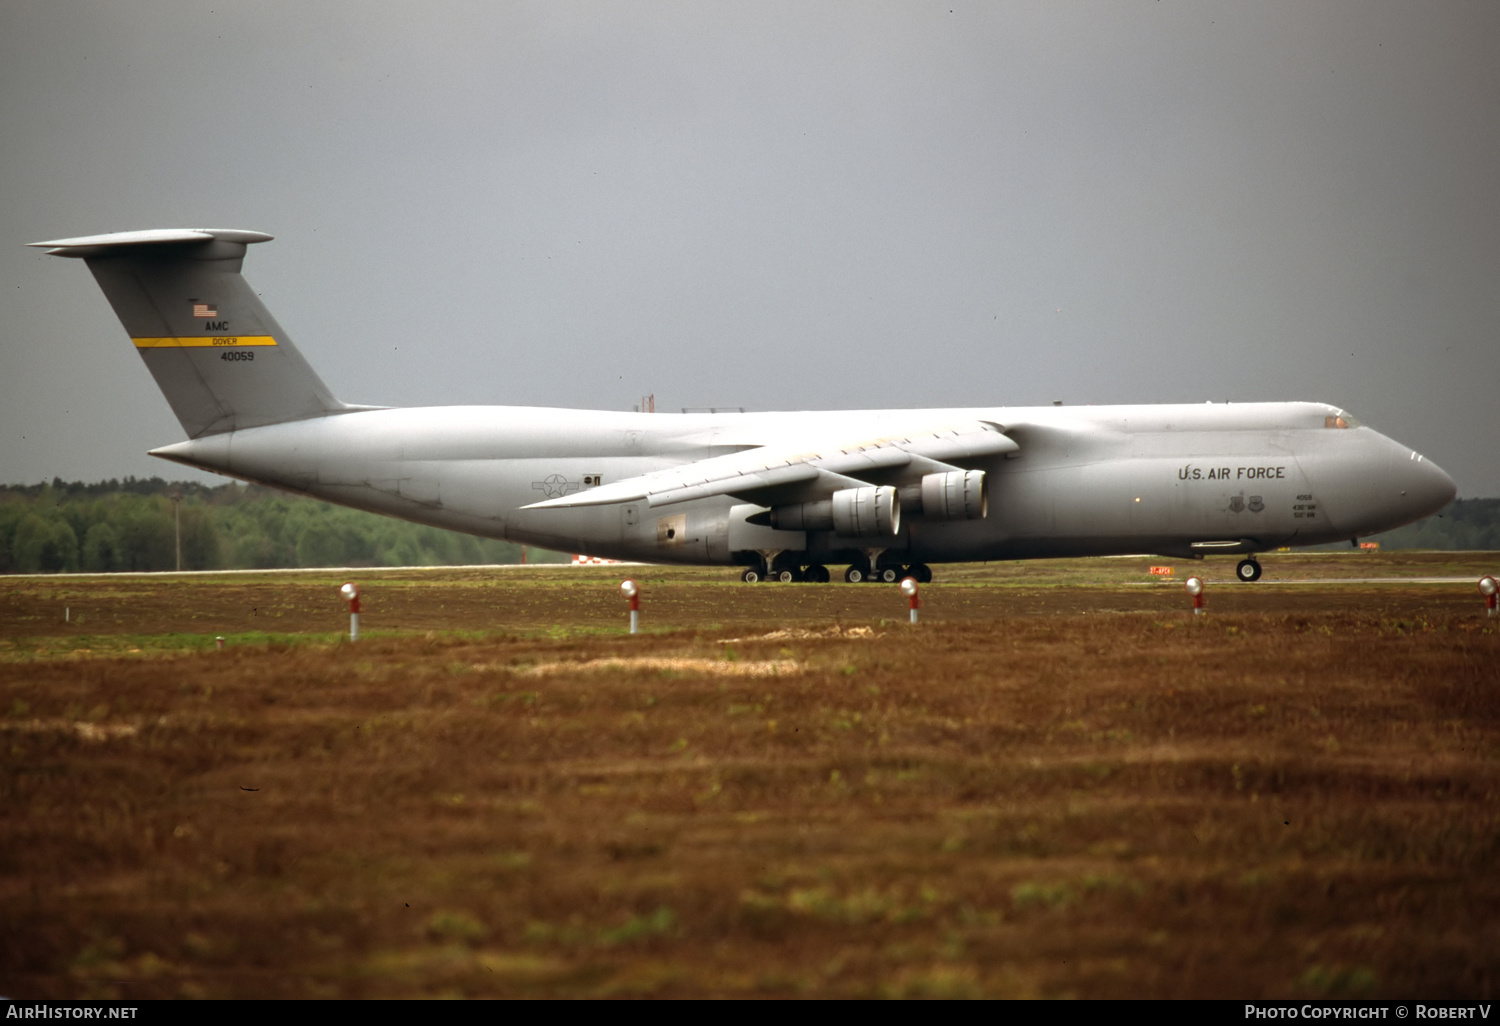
{"points": [[1194, 587], [632, 591], [1489, 588]]}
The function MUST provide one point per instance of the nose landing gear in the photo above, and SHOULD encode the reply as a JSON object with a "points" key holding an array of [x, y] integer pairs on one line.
{"points": [[1248, 570]]}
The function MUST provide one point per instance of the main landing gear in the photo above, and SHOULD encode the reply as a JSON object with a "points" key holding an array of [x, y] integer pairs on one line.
{"points": [[888, 573], [1248, 570], [856, 574], [813, 574], [873, 564]]}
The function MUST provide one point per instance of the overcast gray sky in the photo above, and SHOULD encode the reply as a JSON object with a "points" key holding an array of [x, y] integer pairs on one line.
{"points": [[778, 206]]}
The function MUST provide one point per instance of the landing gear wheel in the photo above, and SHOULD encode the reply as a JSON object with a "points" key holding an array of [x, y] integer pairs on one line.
{"points": [[753, 575], [786, 575], [921, 571], [816, 574], [1248, 570], [888, 574], [856, 574]]}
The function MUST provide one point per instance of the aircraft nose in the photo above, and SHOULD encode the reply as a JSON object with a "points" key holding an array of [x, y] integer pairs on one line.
{"points": [[1380, 486], [1425, 485]]}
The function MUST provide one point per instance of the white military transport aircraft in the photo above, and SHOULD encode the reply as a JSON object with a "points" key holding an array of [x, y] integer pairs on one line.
{"points": [[783, 495]]}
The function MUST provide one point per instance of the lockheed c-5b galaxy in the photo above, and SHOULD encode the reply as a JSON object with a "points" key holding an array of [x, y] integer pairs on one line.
{"points": [[885, 493]]}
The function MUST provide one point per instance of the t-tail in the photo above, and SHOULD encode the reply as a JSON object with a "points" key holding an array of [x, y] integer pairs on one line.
{"points": [[217, 354]]}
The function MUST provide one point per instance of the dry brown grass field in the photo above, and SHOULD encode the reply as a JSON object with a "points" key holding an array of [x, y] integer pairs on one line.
{"points": [[1060, 783]]}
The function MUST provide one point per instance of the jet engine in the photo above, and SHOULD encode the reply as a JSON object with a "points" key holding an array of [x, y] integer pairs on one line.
{"points": [[851, 512], [957, 495]]}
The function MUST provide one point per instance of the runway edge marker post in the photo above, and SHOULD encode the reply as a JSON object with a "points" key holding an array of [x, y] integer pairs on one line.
{"points": [[350, 594], [632, 591]]}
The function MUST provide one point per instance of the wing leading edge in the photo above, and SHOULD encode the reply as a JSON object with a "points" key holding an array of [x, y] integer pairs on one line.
{"points": [[771, 474]]}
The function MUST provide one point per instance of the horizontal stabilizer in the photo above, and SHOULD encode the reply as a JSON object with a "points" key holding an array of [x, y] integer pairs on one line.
{"points": [[92, 245]]}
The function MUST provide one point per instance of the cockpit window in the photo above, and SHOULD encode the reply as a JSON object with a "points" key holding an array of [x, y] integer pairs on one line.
{"points": [[1340, 420]]}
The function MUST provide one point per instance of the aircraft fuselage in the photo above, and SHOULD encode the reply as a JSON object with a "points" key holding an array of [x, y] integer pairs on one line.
{"points": [[1180, 480]]}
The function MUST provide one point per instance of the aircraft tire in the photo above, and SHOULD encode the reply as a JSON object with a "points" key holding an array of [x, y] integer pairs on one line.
{"points": [[816, 573], [921, 571], [752, 575], [856, 574], [1248, 570], [786, 576], [888, 574]]}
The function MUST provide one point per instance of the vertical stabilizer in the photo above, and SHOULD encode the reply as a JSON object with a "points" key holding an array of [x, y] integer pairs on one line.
{"points": [[217, 354]]}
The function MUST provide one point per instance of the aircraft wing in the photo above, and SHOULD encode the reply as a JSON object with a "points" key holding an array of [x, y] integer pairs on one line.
{"points": [[815, 470]]}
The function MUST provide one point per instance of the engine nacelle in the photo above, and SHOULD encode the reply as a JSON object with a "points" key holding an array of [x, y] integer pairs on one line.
{"points": [[852, 512], [957, 495], [804, 516], [867, 512]]}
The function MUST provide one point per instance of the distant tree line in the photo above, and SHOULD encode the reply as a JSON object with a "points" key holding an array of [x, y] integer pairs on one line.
{"points": [[133, 525], [1462, 524]]}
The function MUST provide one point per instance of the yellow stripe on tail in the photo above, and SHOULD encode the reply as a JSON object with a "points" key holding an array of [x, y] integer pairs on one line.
{"points": [[204, 342]]}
